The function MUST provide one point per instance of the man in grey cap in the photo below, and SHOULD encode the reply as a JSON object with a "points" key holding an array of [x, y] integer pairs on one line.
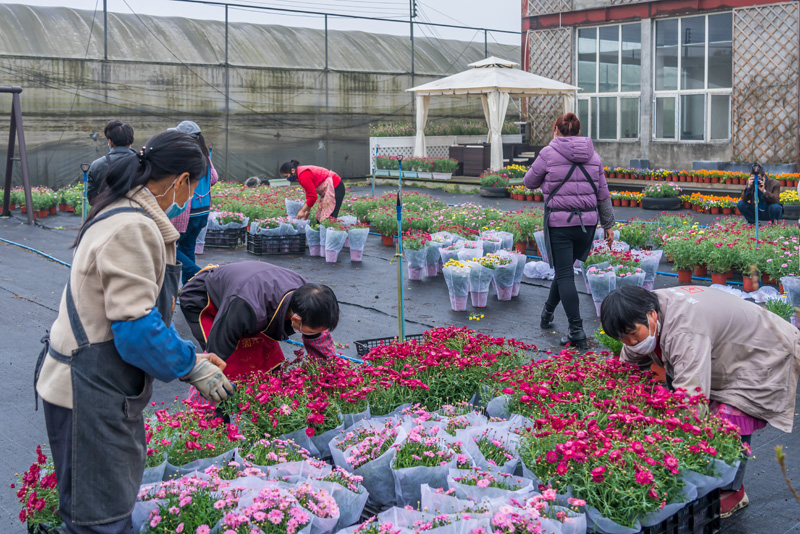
{"points": [[191, 222], [120, 138]]}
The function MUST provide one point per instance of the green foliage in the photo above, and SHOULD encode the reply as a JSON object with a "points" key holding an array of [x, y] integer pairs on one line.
{"points": [[780, 307], [614, 345]]}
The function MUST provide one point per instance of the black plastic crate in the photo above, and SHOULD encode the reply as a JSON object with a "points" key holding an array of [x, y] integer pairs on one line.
{"points": [[698, 517], [268, 245], [231, 238], [363, 347]]}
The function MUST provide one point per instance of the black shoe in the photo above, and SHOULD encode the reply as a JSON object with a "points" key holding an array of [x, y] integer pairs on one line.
{"points": [[577, 337], [547, 316]]}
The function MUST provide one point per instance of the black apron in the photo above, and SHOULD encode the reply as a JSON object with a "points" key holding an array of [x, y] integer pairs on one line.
{"points": [[573, 213], [108, 398]]}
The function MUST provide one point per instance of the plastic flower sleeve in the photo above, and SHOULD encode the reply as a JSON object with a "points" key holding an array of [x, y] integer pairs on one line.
{"points": [[539, 237], [630, 279], [292, 207], [351, 419], [214, 225], [603, 525], [791, 284], [417, 260], [256, 229], [407, 481], [334, 241], [506, 240], [584, 268], [358, 239], [479, 279], [649, 261], [362, 527], [523, 487], [490, 246], [706, 483], [498, 407], [321, 441], [689, 493], [155, 474], [519, 270], [172, 471], [377, 475], [444, 502], [432, 257], [351, 503], [300, 439], [449, 253], [600, 234], [475, 523], [573, 523], [323, 236], [469, 253], [457, 279], [504, 280], [313, 240], [445, 238], [492, 432], [601, 282]]}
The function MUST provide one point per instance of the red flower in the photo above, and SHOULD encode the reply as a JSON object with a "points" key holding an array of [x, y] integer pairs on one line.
{"points": [[598, 474]]}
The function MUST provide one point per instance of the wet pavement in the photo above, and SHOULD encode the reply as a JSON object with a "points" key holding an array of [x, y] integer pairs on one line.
{"points": [[31, 286]]}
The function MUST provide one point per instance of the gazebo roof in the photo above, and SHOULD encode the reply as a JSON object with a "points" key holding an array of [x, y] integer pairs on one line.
{"points": [[494, 74]]}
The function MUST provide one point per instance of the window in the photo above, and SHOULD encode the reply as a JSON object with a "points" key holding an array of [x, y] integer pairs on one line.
{"points": [[693, 64], [609, 74]]}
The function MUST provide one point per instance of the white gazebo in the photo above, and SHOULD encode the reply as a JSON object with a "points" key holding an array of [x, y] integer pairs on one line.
{"points": [[496, 80]]}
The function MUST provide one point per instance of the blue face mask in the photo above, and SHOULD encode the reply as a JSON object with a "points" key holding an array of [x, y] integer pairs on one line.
{"points": [[174, 209]]}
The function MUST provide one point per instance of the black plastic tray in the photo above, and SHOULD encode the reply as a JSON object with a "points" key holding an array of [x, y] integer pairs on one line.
{"points": [[363, 347], [231, 238], [270, 245]]}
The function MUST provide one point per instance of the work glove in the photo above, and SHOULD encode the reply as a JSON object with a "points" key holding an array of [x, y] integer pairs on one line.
{"points": [[209, 380]]}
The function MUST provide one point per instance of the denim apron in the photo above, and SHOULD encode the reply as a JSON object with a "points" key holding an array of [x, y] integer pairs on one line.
{"points": [[108, 398], [573, 212]]}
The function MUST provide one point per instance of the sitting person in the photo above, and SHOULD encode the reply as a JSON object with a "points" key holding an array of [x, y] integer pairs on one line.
{"points": [[769, 195]]}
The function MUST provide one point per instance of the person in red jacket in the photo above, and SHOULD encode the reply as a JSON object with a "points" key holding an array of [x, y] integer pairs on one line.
{"points": [[319, 184]]}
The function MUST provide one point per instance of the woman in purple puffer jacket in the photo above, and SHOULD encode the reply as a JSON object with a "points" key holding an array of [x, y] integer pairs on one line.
{"points": [[571, 176]]}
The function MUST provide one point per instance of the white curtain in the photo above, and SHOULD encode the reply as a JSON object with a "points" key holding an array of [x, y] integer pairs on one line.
{"points": [[495, 105], [423, 102], [569, 102]]}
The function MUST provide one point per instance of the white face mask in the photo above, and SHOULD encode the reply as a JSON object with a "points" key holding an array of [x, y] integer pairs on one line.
{"points": [[648, 344]]}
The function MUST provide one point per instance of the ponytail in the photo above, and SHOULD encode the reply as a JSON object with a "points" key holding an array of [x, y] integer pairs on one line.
{"points": [[568, 125], [168, 154]]}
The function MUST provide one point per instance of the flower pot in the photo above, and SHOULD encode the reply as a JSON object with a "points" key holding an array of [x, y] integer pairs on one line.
{"points": [[625, 202], [387, 240], [355, 255], [661, 204], [780, 288], [748, 284], [615, 202], [415, 273], [458, 303], [714, 210], [493, 192], [726, 211], [768, 281], [736, 210], [314, 250], [687, 205], [431, 269], [538, 198], [700, 271], [719, 278], [504, 293], [729, 274], [42, 213], [53, 210], [479, 298], [63, 207], [715, 180], [24, 208], [521, 247], [331, 256], [684, 276], [529, 198], [515, 289]]}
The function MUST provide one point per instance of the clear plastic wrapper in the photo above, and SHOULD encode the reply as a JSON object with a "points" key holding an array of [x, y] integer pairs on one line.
{"points": [[214, 225], [470, 251], [689, 494], [358, 239], [479, 279], [504, 280], [449, 253], [293, 207], [323, 236], [648, 261], [407, 481], [432, 257], [630, 279], [706, 483], [523, 487], [417, 261], [313, 240], [603, 525], [491, 245], [457, 279], [539, 237], [334, 241], [601, 283]]}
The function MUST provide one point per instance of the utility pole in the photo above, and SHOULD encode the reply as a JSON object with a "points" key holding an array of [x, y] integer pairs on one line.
{"points": [[412, 4], [105, 30]]}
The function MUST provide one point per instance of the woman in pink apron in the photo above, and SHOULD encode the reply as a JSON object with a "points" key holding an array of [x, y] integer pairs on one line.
{"points": [[319, 184]]}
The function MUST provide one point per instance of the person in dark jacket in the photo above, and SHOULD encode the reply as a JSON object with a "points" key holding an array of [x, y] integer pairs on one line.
{"points": [[120, 138], [769, 196], [241, 311], [571, 176]]}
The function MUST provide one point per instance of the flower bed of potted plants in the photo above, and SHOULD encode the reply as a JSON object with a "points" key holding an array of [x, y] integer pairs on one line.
{"points": [[494, 185], [662, 196]]}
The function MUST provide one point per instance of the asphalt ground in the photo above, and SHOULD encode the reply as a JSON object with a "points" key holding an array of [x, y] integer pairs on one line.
{"points": [[31, 286]]}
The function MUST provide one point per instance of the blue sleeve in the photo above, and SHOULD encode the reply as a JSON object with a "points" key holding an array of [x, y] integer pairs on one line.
{"points": [[148, 344]]}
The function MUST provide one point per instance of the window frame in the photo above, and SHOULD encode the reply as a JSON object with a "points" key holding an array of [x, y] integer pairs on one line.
{"points": [[678, 92], [592, 97]]}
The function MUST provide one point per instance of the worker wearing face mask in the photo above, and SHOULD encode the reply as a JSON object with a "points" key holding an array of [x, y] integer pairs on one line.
{"points": [[242, 310], [743, 358]]}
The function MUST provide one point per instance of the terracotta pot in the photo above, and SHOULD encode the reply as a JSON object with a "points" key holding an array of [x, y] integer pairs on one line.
{"points": [[687, 205], [780, 288], [715, 180], [529, 198], [684, 276], [521, 247], [615, 202], [62, 207], [53, 210], [736, 210], [735, 181], [625, 202], [715, 210], [538, 198], [726, 211], [701, 271], [768, 281], [748, 284], [719, 278], [387, 240], [635, 203], [729, 274], [70, 208], [629, 176], [24, 208]]}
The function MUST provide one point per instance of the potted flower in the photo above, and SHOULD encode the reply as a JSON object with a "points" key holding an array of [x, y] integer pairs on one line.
{"points": [[662, 196], [720, 255], [443, 168], [791, 204], [494, 185], [38, 495], [385, 222]]}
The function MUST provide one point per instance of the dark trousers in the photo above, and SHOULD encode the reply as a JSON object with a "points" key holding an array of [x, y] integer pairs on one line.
{"points": [[567, 244], [186, 244], [772, 213], [58, 421], [339, 192]]}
